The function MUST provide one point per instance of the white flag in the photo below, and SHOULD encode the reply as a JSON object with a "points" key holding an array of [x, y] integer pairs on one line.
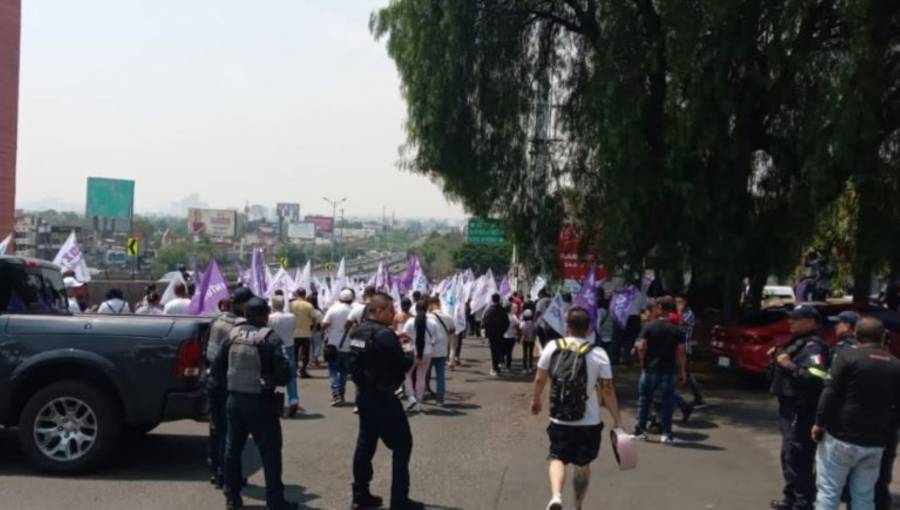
{"points": [[70, 258], [539, 284], [281, 281], [5, 244], [554, 316], [304, 281], [169, 294]]}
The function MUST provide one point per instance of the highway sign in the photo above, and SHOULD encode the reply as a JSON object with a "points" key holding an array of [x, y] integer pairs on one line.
{"points": [[485, 232], [329, 266], [132, 247], [284, 262]]}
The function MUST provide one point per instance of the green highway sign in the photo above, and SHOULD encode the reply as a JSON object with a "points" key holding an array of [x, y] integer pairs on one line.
{"points": [[481, 231]]}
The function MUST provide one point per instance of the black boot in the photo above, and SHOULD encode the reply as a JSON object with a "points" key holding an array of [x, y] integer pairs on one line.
{"points": [[364, 500], [233, 502]]}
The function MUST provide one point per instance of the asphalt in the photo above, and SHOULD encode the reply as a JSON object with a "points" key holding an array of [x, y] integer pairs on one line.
{"points": [[482, 451]]}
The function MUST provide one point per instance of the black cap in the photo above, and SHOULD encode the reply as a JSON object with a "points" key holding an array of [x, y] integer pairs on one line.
{"points": [[241, 295], [847, 316], [256, 306], [805, 312]]}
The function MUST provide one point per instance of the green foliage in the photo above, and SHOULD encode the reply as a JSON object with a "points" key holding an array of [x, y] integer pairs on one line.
{"points": [[436, 254], [480, 258]]}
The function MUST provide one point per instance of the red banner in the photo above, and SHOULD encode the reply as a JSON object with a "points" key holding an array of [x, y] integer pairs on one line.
{"points": [[573, 263]]}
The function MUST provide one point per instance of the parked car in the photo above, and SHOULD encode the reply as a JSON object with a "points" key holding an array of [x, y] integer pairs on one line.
{"points": [[744, 346], [73, 384]]}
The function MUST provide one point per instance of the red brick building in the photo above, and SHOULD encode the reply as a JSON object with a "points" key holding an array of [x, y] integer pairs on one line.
{"points": [[10, 29]]}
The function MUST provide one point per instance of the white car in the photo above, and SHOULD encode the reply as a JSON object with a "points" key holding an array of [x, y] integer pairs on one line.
{"points": [[777, 295]]}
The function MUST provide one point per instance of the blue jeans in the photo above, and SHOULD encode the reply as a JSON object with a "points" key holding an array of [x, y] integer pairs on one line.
{"points": [[835, 461], [650, 382], [292, 383], [338, 375], [440, 373]]}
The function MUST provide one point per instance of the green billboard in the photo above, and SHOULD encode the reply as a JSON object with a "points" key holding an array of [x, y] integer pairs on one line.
{"points": [[485, 232], [109, 198]]}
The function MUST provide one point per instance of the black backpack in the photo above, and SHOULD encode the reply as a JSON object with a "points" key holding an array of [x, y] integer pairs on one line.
{"points": [[568, 376]]}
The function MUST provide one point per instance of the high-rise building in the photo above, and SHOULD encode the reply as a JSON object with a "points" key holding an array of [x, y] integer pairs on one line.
{"points": [[10, 30]]}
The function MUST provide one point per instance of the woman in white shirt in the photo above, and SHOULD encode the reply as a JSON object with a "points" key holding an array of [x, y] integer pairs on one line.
{"points": [[115, 303], [511, 337], [421, 332], [151, 305]]}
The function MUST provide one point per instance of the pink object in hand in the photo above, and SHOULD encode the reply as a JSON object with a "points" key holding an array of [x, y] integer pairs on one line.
{"points": [[625, 448]]}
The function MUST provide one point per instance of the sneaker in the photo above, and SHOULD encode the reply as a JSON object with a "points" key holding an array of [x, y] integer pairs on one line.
{"points": [[493, 373], [700, 404], [417, 408], [555, 503], [779, 504], [640, 434], [411, 406], [305, 375], [355, 410], [668, 439], [336, 401]]}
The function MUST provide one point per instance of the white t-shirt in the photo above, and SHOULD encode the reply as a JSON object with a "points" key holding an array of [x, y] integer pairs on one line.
{"points": [[442, 344], [431, 334], [513, 330], [114, 306], [177, 306], [356, 313], [336, 318], [598, 367], [283, 324], [74, 308], [146, 309]]}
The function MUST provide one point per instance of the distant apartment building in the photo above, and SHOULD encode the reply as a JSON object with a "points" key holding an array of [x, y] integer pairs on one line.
{"points": [[35, 237], [10, 31]]}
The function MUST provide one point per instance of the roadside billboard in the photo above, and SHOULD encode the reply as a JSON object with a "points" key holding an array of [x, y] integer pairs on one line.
{"points": [[212, 222], [109, 198], [323, 223], [305, 231], [574, 263], [479, 231], [288, 212]]}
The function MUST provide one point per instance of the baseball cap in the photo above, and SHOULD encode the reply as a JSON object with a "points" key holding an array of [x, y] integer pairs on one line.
{"points": [[805, 312], [345, 296], [527, 314], [71, 283], [241, 295], [847, 316]]}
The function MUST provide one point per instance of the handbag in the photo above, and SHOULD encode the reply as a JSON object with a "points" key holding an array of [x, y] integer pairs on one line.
{"points": [[331, 351]]}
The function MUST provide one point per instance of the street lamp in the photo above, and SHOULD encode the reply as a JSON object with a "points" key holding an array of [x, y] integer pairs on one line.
{"points": [[334, 206]]}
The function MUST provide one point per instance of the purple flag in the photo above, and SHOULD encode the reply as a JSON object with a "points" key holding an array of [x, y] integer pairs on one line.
{"points": [[505, 291], [408, 278], [258, 280], [620, 304], [587, 296], [211, 290]]}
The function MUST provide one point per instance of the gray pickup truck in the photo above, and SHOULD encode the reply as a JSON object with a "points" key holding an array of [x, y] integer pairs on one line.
{"points": [[75, 384]]}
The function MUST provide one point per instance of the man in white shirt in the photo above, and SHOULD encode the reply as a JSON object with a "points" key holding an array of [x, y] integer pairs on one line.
{"points": [[446, 329], [115, 303], [283, 324], [577, 441], [336, 332], [180, 304], [75, 290], [358, 309]]}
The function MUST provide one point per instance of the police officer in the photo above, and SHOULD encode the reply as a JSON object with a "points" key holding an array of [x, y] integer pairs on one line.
{"points": [[844, 331], [217, 390], [379, 365], [252, 362], [799, 373]]}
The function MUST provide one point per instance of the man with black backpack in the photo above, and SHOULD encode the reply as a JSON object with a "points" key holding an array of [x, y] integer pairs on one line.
{"points": [[581, 378]]}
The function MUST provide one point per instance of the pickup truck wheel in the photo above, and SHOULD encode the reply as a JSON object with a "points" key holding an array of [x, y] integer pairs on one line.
{"points": [[69, 427]]}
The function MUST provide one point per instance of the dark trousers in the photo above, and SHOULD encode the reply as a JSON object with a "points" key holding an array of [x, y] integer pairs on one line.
{"points": [[217, 434], [301, 352], [509, 345], [459, 345], [623, 340], [527, 355], [256, 415], [381, 416], [496, 345], [798, 452]]}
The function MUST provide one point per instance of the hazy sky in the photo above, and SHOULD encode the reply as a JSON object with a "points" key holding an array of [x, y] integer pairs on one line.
{"points": [[280, 100]]}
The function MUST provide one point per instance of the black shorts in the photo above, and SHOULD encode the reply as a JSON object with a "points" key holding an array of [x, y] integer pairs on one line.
{"points": [[578, 445]]}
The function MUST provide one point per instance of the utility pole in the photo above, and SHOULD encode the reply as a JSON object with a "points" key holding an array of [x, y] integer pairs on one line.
{"points": [[343, 226], [334, 205]]}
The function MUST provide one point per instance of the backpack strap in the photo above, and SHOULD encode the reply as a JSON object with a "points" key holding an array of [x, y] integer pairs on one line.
{"points": [[561, 344], [584, 349]]}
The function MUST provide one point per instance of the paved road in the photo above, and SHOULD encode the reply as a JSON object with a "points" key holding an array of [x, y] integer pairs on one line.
{"points": [[484, 451]]}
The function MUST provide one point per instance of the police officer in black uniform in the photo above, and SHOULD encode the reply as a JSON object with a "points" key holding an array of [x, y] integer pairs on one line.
{"points": [[253, 363], [379, 365], [217, 390], [799, 373]]}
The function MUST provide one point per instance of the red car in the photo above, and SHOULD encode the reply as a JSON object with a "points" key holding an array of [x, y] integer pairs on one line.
{"points": [[744, 346]]}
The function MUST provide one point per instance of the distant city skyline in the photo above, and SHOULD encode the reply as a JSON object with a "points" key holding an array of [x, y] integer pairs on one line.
{"points": [[285, 104]]}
